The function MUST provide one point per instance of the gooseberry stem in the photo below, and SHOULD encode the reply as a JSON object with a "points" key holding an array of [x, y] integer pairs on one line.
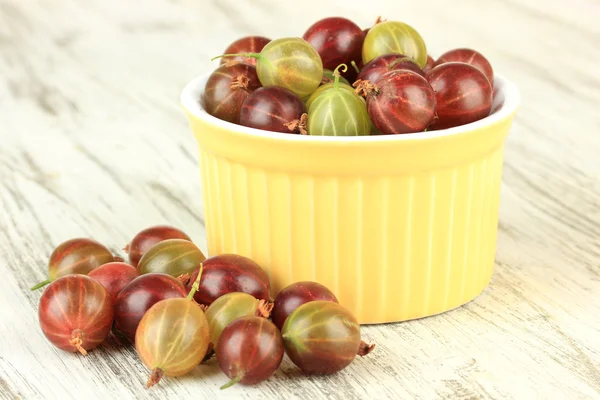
{"points": [[336, 74], [231, 382], [355, 66], [249, 55], [196, 283], [154, 378], [364, 348], [41, 284]]}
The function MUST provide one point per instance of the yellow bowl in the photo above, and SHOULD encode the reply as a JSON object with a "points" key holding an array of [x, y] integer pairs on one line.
{"points": [[397, 226]]}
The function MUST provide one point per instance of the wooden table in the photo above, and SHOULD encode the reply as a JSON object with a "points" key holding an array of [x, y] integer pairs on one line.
{"points": [[93, 142]]}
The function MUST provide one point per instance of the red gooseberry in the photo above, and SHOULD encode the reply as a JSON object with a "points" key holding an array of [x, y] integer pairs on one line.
{"points": [[141, 294], [114, 277], [430, 63], [76, 313], [172, 256], [381, 65], [470, 57], [76, 256], [249, 350], [247, 44], [145, 239], [274, 109], [296, 294], [463, 94]]}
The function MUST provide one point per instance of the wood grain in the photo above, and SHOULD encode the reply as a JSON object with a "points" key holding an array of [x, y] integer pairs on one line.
{"points": [[94, 143]]}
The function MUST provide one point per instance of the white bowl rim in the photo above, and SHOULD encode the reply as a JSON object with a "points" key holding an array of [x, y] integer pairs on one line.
{"points": [[505, 90]]}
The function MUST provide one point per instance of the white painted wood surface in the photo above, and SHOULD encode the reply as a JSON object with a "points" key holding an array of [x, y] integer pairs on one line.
{"points": [[93, 142]]}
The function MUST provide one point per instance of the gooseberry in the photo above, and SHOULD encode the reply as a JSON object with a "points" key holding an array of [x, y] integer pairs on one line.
{"points": [[247, 44], [275, 109], [381, 65], [172, 256], [323, 337], [227, 88], [291, 63], [114, 277], [296, 294], [393, 37], [76, 313], [145, 239], [76, 256], [471, 57], [141, 294], [401, 101], [337, 112], [230, 307], [462, 92], [249, 350], [172, 337], [338, 41], [430, 63], [226, 273]]}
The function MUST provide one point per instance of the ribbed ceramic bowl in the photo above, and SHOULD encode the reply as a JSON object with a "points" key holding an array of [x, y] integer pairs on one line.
{"points": [[397, 226]]}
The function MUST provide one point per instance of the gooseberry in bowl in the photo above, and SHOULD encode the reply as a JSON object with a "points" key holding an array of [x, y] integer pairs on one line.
{"points": [[381, 65], [145, 239], [246, 44], [463, 94], [394, 37], [250, 350], [76, 313], [296, 294], [430, 63], [291, 63], [274, 109], [139, 295], [227, 88], [226, 273], [76, 256], [338, 41], [172, 256], [400, 101], [323, 337], [471, 57]]}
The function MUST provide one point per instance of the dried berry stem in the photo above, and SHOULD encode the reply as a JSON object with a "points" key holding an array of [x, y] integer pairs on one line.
{"points": [[364, 348], [154, 378], [231, 382], [184, 278], [77, 341], [264, 309], [240, 82], [248, 55], [196, 284], [365, 88], [298, 125], [41, 284]]}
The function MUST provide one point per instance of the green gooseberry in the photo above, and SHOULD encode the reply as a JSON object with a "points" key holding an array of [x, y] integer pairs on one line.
{"points": [[291, 63], [335, 110], [394, 37]]}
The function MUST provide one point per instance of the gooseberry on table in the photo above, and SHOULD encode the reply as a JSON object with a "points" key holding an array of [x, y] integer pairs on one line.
{"points": [[274, 109], [291, 63], [463, 94], [250, 350], [323, 337], [172, 256], [75, 313], [139, 295], [230, 307], [336, 111], [338, 41], [227, 88], [114, 276], [400, 101], [172, 337], [246, 44], [394, 37], [145, 239], [76, 256], [296, 294], [226, 273], [471, 57]]}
